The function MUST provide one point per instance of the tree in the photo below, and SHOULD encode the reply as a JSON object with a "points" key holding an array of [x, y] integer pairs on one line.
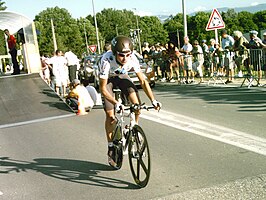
{"points": [[246, 20], [2, 38], [230, 19], [152, 30], [85, 25], [111, 21], [67, 32], [197, 25], [259, 18]]}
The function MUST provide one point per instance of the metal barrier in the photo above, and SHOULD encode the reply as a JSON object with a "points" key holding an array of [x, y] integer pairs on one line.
{"points": [[257, 61]]}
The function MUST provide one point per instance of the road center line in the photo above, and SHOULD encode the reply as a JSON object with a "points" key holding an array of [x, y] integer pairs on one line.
{"points": [[209, 130]]}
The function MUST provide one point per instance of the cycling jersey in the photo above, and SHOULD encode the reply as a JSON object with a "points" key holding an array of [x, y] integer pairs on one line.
{"points": [[110, 68]]}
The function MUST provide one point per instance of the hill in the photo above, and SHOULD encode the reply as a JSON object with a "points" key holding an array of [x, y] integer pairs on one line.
{"points": [[251, 9]]}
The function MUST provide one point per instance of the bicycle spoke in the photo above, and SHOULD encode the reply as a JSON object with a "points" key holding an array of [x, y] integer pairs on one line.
{"points": [[143, 165]]}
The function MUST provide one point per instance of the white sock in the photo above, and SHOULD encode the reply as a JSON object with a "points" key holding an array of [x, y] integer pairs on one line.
{"points": [[110, 144]]}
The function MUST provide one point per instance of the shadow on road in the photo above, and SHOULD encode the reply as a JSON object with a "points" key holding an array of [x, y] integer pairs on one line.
{"points": [[248, 100], [77, 171]]}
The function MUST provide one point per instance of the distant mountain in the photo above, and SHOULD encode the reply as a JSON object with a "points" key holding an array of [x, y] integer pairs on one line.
{"points": [[251, 9]]}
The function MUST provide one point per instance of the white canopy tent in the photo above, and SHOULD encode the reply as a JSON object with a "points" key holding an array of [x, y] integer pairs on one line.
{"points": [[30, 50]]}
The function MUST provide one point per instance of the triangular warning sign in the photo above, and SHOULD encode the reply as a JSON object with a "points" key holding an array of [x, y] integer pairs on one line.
{"points": [[93, 48], [215, 21]]}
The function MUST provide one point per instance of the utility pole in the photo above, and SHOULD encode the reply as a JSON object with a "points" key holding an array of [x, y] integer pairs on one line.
{"points": [[184, 17], [116, 29], [178, 39], [86, 39], [54, 38], [96, 27], [138, 31]]}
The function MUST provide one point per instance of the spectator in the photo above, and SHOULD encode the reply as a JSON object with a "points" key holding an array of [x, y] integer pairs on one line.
{"points": [[92, 92], [79, 95], [107, 47], [164, 63], [186, 50], [241, 53], [146, 47], [213, 59], [60, 72], [198, 59], [204, 46], [157, 57], [174, 62], [264, 54], [218, 59], [72, 64], [227, 62], [11, 40], [255, 45], [45, 72]]}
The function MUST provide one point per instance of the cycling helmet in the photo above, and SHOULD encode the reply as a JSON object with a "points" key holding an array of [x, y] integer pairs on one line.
{"points": [[121, 44]]}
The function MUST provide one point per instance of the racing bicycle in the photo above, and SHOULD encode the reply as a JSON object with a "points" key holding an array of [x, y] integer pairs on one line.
{"points": [[130, 139]]}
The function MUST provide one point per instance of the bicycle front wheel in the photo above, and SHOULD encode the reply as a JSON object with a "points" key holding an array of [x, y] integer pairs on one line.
{"points": [[139, 156]]}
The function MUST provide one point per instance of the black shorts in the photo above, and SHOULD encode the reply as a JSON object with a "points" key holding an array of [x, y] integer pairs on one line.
{"points": [[122, 82]]}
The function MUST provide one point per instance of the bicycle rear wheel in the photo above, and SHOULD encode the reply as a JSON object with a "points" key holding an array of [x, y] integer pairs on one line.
{"points": [[139, 156]]}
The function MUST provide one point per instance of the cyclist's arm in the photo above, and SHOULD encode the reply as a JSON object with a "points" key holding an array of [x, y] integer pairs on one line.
{"points": [[145, 85], [104, 91]]}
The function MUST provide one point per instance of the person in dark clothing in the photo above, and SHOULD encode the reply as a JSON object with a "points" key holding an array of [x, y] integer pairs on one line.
{"points": [[11, 40]]}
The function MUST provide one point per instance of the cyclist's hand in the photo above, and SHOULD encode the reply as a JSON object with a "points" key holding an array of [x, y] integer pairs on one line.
{"points": [[119, 107], [156, 104]]}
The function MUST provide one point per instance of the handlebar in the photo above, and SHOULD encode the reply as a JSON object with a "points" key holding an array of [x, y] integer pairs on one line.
{"points": [[135, 107]]}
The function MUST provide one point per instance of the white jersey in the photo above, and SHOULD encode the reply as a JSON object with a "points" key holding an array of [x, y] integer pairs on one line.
{"points": [[109, 66]]}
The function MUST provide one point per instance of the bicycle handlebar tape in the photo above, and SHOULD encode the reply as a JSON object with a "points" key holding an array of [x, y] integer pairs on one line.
{"points": [[81, 109]]}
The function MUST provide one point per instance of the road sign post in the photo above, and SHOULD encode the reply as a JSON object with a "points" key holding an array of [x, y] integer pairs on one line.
{"points": [[215, 22]]}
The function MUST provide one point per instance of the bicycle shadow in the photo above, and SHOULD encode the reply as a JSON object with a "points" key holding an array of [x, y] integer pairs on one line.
{"points": [[76, 171]]}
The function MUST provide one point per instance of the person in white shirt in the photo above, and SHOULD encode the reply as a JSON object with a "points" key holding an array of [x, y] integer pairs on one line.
{"points": [[59, 71], [72, 63], [198, 59], [114, 67], [186, 50]]}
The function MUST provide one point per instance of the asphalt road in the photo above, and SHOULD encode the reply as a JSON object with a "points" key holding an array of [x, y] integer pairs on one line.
{"points": [[206, 143]]}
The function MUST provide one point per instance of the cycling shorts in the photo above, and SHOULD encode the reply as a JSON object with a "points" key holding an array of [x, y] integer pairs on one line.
{"points": [[122, 82]]}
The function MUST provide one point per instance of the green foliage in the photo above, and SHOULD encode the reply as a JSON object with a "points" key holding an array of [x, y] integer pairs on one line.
{"points": [[2, 38], [259, 19], [111, 21], [152, 30], [70, 33], [67, 31]]}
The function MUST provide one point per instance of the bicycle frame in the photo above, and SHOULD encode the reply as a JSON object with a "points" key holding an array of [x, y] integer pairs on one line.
{"points": [[132, 122]]}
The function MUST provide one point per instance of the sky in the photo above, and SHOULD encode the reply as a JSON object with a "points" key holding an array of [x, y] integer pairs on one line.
{"points": [[82, 8]]}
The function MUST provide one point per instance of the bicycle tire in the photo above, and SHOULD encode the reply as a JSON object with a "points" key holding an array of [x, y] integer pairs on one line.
{"points": [[118, 148], [138, 150], [118, 155]]}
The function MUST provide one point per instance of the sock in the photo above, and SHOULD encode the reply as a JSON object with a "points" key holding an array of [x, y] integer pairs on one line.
{"points": [[110, 144]]}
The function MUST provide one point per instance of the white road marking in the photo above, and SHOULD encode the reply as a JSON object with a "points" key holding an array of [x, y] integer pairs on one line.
{"points": [[35, 121], [209, 130], [1, 193]]}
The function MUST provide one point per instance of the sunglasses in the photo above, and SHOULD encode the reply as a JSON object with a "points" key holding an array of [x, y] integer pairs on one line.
{"points": [[123, 54]]}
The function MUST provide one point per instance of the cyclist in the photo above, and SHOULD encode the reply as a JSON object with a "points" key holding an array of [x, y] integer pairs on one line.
{"points": [[113, 68]]}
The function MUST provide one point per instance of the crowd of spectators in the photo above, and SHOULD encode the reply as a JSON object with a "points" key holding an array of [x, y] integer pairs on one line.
{"points": [[60, 73], [235, 56]]}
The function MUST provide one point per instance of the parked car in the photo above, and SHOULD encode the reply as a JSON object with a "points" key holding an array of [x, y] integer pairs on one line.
{"points": [[146, 69]]}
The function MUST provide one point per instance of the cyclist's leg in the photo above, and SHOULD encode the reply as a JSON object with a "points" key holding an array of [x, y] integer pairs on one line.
{"points": [[130, 90], [110, 115]]}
